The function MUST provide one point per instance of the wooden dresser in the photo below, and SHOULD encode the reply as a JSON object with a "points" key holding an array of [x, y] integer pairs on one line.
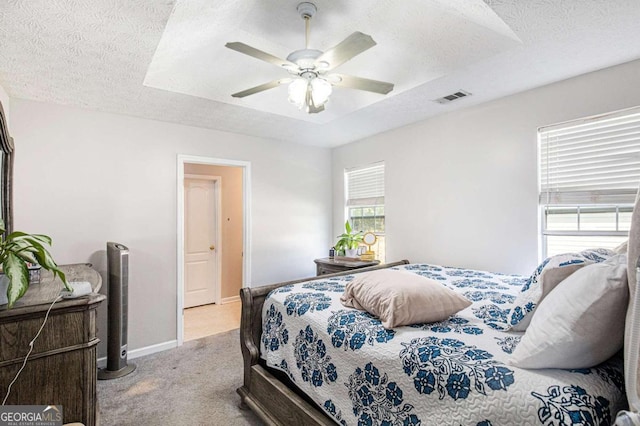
{"points": [[62, 368]]}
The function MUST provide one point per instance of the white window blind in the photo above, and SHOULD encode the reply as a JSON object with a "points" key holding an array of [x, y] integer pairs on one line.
{"points": [[365, 185], [591, 161]]}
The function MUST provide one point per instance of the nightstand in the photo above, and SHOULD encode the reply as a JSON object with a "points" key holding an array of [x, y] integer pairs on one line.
{"points": [[329, 265]]}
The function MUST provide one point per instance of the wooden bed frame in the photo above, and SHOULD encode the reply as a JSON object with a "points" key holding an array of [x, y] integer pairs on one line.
{"points": [[269, 393]]}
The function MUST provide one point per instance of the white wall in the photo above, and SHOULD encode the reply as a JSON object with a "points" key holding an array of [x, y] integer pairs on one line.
{"points": [[86, 177], [461, 188], [6, 106]]}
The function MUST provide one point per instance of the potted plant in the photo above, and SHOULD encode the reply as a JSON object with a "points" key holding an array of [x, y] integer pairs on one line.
{"points": [[348, 242], [16, 250]]}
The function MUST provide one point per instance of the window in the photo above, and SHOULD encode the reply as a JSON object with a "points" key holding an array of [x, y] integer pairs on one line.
{"points": [[589, 175], [365, 202]]}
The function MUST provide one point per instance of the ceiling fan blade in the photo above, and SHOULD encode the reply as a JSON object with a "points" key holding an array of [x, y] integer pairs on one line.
{"points": [[360, 83], [261, 88], [259, 54], [351, 46]]}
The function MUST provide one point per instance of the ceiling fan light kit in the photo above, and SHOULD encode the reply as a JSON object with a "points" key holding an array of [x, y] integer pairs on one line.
{"points": [[311, 84], [318, 89]]}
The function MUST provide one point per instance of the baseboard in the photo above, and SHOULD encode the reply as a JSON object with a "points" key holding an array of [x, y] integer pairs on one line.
{"points": [[230, 299], [147, 350]]}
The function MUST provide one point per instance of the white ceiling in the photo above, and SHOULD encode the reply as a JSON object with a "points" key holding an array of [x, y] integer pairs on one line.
{"points": [[166, 60], [192, 58]]}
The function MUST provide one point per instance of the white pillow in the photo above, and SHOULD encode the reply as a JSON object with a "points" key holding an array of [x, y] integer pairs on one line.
{"points": [[622, 248], [545, 278], [402, 298], [581, 322]]}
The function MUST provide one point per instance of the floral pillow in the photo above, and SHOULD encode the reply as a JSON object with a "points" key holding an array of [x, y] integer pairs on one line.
{"points": [[545, 278]]}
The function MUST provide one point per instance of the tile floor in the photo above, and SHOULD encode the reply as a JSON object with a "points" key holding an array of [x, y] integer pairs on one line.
{"points": [[202, 321]]}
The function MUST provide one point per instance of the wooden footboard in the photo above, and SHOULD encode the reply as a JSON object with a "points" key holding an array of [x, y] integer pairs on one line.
{"points": [[270, 398]]}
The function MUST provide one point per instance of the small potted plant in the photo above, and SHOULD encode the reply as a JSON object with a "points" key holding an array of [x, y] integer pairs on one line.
{"points": [[16, 250], [348, 242]]}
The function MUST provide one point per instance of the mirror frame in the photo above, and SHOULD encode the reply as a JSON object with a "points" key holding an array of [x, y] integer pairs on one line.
{"points": [[6, 145], [364, 238]]}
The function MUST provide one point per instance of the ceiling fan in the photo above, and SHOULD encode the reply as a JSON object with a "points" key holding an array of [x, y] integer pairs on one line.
{"points": [[311, 82]]}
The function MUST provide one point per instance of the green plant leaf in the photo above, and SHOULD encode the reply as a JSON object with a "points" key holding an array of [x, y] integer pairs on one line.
{"points": [[45, 239], [2, 228], [21, 244], [27, 256], [63, 278], [18, 275], [18, 236], [347, 227], [44, 258], [46, 261], [24, 245], [15, 251]]}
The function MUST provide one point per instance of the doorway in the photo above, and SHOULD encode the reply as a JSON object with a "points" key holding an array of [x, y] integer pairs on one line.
{"points": [[213, 244], [202, 269]]}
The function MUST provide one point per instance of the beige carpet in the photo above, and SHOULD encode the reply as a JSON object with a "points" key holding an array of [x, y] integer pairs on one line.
{"points": [[194, 384]]}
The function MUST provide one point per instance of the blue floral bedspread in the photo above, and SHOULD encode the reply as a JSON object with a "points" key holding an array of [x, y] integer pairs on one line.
{"points": [[449, 373]]}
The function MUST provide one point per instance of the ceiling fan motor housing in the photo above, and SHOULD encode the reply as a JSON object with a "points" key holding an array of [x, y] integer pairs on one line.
{"points": [[304, 58]]}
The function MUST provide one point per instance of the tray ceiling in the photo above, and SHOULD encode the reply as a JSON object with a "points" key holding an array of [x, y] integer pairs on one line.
{"points": [[417, 43], [166, 60]]}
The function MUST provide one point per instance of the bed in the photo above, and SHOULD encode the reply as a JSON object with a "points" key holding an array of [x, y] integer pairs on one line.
{"points": [[310, 360]]}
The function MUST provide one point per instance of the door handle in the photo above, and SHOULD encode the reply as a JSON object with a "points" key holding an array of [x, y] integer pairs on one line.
{"points": [[212, 247]]}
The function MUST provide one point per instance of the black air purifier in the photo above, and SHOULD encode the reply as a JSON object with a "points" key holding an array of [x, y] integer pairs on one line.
{"points": [[118, 306]]}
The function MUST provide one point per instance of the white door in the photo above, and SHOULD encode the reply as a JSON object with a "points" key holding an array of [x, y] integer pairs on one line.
{"points": [[200, 272]]}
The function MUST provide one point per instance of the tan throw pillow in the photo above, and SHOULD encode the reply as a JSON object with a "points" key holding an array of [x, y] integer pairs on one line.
{"points": [[401, 298]]}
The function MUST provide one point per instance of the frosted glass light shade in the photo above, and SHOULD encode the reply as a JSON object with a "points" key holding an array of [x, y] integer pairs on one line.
{"points": [[320, 91], [298, 92]]}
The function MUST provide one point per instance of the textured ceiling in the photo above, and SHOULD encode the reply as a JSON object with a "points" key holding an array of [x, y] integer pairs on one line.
{"points": [[192, 58], [97, 54]]}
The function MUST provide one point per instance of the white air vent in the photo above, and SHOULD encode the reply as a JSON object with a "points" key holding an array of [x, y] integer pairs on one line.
{"points": [[452, 97]]}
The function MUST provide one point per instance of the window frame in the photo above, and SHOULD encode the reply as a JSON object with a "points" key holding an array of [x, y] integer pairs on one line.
{"points": [[618, 199], [545, 232], [347, 207]]}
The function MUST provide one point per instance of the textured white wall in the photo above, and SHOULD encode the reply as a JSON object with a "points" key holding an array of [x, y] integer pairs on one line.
{"points": [[6, 105], [461, 188], [86, 177]]}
